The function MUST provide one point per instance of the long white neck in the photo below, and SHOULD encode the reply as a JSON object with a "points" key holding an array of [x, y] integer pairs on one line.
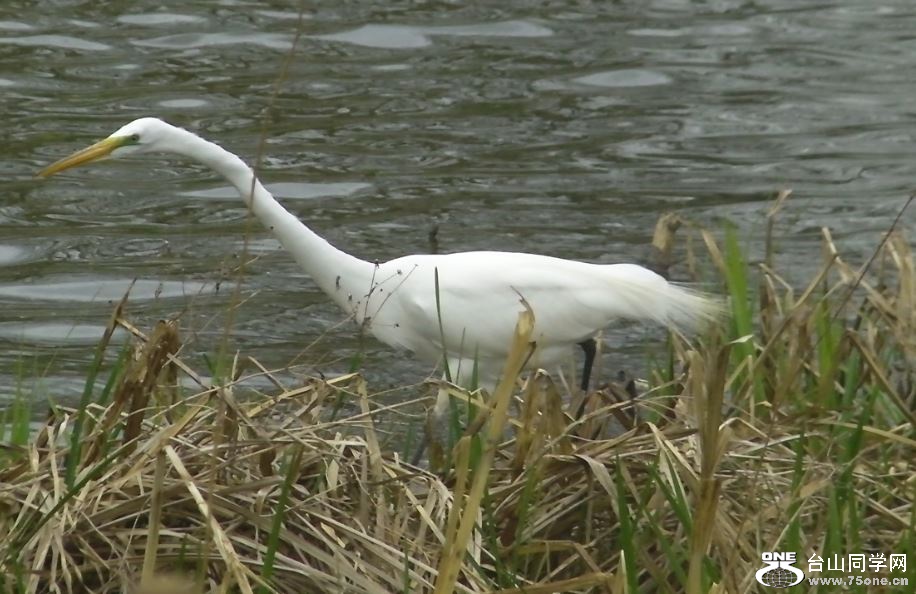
{"points": [[342, 277]]}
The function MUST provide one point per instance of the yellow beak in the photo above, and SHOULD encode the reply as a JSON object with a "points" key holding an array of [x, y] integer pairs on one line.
{"points": [[97, 151]]}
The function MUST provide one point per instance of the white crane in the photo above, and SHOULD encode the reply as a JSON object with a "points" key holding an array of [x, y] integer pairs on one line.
{"points": [[471, 316]]}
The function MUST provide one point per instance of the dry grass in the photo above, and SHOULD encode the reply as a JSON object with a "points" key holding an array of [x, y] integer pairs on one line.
{"points": [[793, 429]]}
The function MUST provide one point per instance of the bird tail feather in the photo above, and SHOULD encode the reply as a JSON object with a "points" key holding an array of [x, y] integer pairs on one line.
{"points": [[689, 308], [649, 296]]}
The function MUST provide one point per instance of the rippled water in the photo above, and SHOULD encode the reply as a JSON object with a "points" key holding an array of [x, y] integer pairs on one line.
{"points": [[558, 127]]}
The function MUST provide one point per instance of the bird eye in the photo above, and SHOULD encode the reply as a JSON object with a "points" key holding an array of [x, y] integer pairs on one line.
{"points": [[135, 137]]}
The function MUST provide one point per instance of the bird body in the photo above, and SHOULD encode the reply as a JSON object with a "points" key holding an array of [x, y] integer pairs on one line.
{"points": [[461, 307], [480, 295]]}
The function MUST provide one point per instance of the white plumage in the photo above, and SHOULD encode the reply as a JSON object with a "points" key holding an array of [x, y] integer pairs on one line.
{"points": [[480, 297], [480, 293]]}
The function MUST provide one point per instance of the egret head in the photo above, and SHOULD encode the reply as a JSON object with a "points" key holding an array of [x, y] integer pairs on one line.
{"points": [[140, 136]]}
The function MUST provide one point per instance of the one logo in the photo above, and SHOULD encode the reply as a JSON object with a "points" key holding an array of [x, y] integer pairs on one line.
{"points": [[778, 572]]}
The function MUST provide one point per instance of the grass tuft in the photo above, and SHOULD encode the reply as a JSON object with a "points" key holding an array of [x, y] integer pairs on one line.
{"points": [[789, 429]]}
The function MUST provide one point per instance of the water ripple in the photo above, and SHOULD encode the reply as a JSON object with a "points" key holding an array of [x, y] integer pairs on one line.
{"points": [[407, 37], [288, 190], [15, 26], [59, 333], [204, 40], [101, 290], [624, 78], [58, 41], [563, 128], [13, 254], [158, 19]]}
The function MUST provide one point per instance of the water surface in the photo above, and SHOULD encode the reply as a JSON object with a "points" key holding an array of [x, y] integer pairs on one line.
{"points": [[563, 128]]}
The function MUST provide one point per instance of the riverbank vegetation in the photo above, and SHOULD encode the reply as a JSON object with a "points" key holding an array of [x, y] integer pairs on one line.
{"points": [[790, 428]]}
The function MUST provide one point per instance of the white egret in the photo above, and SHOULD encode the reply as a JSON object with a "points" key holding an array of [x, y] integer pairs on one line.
{"points": [[472, 315]]}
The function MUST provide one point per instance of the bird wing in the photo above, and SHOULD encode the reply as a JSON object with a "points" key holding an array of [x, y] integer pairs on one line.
{"points": [[480, 296]]}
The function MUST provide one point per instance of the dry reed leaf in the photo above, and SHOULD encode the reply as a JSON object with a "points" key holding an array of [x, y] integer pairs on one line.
{"points": [[142, 375], [779, 202], [165, 583], [591, 580], [452, 556], [715, 254], [663, 241], [155, 520], [236, 568], [600, 473], [359, 519]]}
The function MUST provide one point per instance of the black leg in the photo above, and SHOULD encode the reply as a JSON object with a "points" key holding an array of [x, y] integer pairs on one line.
{"points": [[591, 348]]}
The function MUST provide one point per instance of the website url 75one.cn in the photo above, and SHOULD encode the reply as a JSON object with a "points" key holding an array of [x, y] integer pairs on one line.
{"points": [[858, 580]]}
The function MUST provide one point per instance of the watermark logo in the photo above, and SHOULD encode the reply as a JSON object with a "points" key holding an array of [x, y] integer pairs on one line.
{"points": [[779, 571]]}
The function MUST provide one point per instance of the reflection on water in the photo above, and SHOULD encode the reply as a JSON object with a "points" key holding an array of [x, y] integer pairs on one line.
{"points": [[287, 190], [101, 289], [210, 40], [61, 333], [563, 128], [624, 78], [403, 37], [55, 41], [12, 254]]}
